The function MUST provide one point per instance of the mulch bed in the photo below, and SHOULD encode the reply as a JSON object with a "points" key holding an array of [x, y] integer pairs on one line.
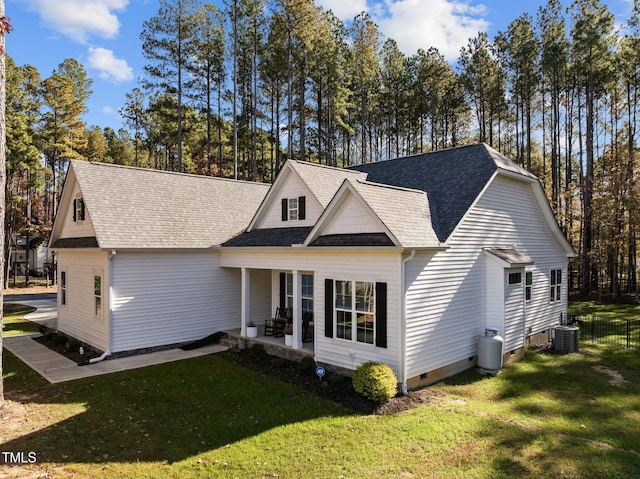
{"points": [[335, 387], [64, 349]]}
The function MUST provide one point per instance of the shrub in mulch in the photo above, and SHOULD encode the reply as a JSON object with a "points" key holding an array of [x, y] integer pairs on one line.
{"points": [[66, 346], [335, 387]]}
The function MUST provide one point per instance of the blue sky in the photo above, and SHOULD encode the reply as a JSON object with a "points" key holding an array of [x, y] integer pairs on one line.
{"points": [[104, 34]]}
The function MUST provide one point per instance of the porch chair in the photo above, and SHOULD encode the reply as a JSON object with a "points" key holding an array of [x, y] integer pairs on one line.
{"points": [[279, 322], [270, 327], [307, 318]]}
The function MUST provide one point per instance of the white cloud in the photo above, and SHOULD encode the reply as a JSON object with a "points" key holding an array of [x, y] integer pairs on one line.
{"points": [[78, 19], [345, 10], [413, 24], [444, 24], [110, 68]]}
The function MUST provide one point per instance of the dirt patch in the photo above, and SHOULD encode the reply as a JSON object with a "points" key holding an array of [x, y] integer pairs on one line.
{"points": [[615, 378], [335, 387], [31, 289]]}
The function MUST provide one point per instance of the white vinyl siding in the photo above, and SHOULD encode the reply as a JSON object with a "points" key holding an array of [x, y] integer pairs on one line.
{"points": [[78, 318], [325, 263], [447, 307], [169, 298], [352, 218], [293, 188], [76, 229]]}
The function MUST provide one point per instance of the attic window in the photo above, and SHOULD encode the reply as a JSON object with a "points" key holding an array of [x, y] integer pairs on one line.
{"points": [[78, 209], [293, 209]]}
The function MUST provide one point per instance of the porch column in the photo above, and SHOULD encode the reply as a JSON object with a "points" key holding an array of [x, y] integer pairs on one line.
{"points": [[297, 310], [244, 300]]}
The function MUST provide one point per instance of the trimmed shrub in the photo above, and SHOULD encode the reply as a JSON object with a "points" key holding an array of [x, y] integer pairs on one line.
{"points": [[60, 339], [74, 345], [307, 365], [375, 381]]}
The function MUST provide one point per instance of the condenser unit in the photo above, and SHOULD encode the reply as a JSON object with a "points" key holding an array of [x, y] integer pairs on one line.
{"points": [[565, 338]]}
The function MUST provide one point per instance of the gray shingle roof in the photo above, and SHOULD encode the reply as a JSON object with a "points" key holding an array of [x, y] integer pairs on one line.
{"points": [[403, 211], [323, 181], [270, 237], [360, 239], [452, 179], [141, 208]]}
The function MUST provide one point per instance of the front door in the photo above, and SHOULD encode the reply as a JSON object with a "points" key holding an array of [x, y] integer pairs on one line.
{"points": [[514, 308]]}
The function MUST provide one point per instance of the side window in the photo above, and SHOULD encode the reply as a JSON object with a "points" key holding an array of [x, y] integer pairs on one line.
{"points": [[63, 288], [555, 289], [293, 209], [528, 285], [97, 295], [78, 209]]}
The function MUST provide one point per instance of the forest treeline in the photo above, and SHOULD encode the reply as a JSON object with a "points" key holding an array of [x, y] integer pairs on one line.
{"points": [[235, 90]]}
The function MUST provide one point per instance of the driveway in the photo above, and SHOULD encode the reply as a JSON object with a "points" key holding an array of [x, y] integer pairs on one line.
{"points": [[46, 314]]}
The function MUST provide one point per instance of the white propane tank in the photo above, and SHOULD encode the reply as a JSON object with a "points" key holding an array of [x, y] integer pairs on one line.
{"points": [[490, 352]]}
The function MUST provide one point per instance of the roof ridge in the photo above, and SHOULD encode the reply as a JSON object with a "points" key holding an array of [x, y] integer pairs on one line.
{"points": [[391, 187], [416, 155], [333, 168], [172, 173]]}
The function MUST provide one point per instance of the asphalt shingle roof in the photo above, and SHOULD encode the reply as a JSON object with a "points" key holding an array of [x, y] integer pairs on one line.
{"points": [[323, 181], [141, 208], [403, 211], [452, 179], [270, 237]]}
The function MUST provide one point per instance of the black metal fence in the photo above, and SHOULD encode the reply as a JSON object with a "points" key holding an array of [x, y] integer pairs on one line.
{"points": [[618, 332]]}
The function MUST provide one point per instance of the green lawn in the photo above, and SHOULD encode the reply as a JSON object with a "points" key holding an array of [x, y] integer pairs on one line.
{"points": [[550, 415], [13, 322]]}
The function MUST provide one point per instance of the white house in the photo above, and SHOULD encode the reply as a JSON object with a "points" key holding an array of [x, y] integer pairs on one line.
{"points": [[407, 261], [404, 261], [136, 267]]}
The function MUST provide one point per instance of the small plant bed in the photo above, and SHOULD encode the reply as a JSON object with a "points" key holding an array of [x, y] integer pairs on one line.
{"points": [[66, 346], [335, 387]]}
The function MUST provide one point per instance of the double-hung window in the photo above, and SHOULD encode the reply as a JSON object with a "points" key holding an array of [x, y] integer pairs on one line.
{"points": [[78, 209], [63, 288], [555, 291], [293, 209], [528, 285], [355, 311], [97, 295]]}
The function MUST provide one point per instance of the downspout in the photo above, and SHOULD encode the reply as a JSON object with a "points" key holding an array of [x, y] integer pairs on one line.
{"points": [[403, 324], [108, 351]]}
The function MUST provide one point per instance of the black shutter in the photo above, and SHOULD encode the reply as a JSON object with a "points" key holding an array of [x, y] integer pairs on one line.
{"points": [[328, 308], [301, 208], [81, 200], [74, 210], [381, 315], [285, 209]]}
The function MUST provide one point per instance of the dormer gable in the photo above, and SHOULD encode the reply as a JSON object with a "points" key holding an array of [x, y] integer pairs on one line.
{"points": [[370, 214], [72, 218], [299, 195]]}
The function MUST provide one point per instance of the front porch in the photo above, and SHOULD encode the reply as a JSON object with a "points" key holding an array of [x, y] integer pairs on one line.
{"points": [[273, 345]]}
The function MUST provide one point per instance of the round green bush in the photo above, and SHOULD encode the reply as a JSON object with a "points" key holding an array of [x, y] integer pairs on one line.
{"points": [[60, 339], [307, 365], [375, 381]]}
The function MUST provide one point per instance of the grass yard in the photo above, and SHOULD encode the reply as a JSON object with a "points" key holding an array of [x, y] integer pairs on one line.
{"points": [[13, 322], [550, 415]]}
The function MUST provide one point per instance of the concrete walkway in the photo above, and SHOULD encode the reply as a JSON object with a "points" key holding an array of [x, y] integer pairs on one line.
{"points": [[56, 368]]}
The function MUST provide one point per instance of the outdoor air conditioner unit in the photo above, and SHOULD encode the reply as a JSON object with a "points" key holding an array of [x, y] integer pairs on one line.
{"points": [[565, 338]]}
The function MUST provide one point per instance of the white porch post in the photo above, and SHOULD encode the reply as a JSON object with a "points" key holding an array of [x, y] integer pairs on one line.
{"points": [[297, 310], [244, 298]]}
